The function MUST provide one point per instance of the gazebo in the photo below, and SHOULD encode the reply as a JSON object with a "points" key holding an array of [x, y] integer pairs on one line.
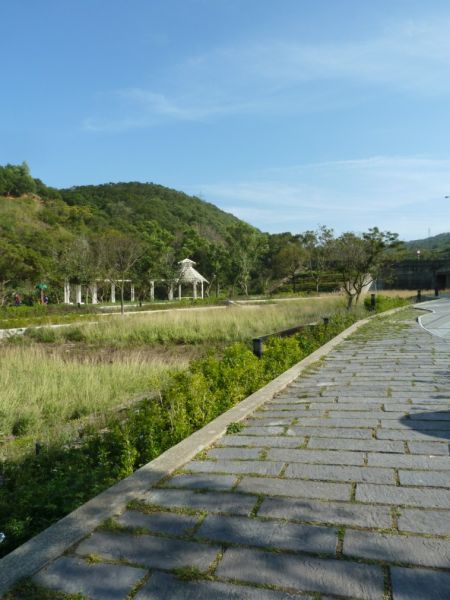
{"points": [[190, 276]]}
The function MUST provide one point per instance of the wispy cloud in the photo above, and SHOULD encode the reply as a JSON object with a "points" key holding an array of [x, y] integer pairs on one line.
{"points": [[273, 76], [404, 194]]}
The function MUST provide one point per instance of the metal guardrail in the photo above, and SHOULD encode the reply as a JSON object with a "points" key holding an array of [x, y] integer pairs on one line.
{"points": [[258, 343]]}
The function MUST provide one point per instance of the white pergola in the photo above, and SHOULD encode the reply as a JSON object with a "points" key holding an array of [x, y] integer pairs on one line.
{"points": [[187, 275], [93, 289]]}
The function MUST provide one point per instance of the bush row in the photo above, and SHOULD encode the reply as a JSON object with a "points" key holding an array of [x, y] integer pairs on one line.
{"points": [[41, 489]]}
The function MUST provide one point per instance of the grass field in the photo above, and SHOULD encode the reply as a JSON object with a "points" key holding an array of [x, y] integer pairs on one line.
{"points": [[54, 380], [197, 326]]}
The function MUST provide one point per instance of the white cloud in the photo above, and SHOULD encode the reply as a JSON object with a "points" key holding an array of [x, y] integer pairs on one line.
{"points": [[273, 75], [403, 194]]}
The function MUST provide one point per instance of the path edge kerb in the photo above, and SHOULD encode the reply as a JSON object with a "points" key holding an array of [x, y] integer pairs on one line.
{"points": [[34, 554]]}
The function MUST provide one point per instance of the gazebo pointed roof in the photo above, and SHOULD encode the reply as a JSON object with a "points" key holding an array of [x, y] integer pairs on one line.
{"points": [[188, 274]]}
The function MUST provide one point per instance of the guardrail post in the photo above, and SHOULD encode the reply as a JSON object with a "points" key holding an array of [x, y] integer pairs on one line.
{"points": [[257, 347]]}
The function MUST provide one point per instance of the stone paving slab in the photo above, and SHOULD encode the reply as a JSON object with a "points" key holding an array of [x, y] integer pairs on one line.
{"points": [[340, 473], [262, 442], [97, 581], [303, 573], [418, 584], [254, 532], [318, 511], [299, 488], [328, 457], [398, 549], [232, 504], [163, 585], [148, 550], [337, 487], [203, 482], [253, 467], [158, 522], [433, 522]]}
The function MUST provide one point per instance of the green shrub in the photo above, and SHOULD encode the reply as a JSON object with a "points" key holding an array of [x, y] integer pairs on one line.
{"points": [[22, 425], [383, 303], [44, 335], [74, 334]]}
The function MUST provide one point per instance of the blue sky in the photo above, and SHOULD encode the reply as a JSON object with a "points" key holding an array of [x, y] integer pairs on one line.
{"points": [[288, 113]]}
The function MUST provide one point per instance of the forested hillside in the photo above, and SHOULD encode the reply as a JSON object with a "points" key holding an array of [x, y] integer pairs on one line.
{"points": [[436, 244], [136, 230]]}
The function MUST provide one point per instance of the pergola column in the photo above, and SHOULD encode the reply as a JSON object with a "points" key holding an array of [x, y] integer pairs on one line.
{"points": [[113, 292], [152, 290], [194, 287], [94, 293], [78, 294], [179, 291], [171, 292], [66, 292], [132, 292], [202, 287]]}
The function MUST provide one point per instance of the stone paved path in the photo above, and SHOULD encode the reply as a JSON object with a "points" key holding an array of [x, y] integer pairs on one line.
{"points": [[337, 488]]}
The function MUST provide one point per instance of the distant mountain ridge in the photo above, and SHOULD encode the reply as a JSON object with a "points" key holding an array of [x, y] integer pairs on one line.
{"points": [[436, 242]]}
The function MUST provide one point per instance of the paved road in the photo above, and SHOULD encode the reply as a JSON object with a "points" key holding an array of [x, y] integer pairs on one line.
{"points": [[437, 322], [337, 488]]}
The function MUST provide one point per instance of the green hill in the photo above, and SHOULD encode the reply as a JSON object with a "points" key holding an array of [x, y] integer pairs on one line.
{"points": [[49, 234], [436, 244], [135, 204]]}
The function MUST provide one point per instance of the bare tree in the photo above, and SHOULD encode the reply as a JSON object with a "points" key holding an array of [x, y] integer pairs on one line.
{"points": [[118, 255]]}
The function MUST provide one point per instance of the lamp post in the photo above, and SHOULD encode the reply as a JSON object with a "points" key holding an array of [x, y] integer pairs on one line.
{"points": [[419, 292]]}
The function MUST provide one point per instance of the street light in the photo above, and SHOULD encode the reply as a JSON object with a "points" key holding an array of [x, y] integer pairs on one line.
{"points": [[418, 254]]}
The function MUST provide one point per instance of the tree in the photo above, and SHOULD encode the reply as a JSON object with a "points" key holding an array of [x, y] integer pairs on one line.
{"points": [[79, 261], [359, 258], [17, 264], [317, 245], [16, 180], [247, 246], [290, 260], [118, 255]]}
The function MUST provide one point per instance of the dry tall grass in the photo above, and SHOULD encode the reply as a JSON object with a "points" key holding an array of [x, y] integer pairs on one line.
{"points": [[228, 324], [41, 391]]}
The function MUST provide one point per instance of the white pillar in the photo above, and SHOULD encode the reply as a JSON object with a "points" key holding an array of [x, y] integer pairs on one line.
{"points": [[113, 292], [132, 293], [78, 294], [66, 292], [171, 292], [179, 291], [194, 287], [94, 293], [202, 289], [152, 290]]}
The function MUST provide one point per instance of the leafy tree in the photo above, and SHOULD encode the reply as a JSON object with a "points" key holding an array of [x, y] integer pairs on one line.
{"points": [[290, 260], [359, 258], [318, 246], [16, 180], [247, 247]]}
